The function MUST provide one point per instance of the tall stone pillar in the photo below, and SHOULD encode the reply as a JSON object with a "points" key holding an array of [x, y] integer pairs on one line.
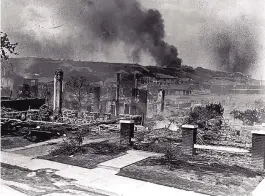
{"points": [[142, 105], [133, 101], [96, 100], [160, 101], [58, 92], [117, 98]]}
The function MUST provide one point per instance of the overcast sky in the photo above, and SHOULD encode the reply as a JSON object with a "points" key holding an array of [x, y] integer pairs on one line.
{"points": [[189, 24]]}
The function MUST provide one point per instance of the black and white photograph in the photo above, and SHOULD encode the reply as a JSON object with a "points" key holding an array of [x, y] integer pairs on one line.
{"points": [[132, 98]]}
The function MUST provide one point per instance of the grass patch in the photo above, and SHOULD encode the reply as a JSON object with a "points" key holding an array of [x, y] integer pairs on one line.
{"points": [[87, 156], [14, 142], [196, 174]]}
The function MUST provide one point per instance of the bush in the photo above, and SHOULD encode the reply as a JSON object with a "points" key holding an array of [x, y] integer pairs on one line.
{"points": [[201, 115], [169, 155], [70, 146], [259, 103], [250, 116], [106, 148], [65, 148]]}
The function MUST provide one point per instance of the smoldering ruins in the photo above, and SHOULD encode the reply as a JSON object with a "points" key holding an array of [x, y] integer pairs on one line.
{"points": [[104, 98]]}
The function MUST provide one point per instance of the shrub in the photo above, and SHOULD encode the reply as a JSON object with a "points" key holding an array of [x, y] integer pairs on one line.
{"points": [[70, 146], [65, 148], [259, 103], [169, 155], [200, 115], [106, 148], [250, 116]]}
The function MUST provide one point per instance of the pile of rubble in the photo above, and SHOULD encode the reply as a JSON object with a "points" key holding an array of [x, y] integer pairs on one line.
{"points": [[32, 115], [70, 113], [145, 135], [105, 128], [10, 113], [45, 113]]}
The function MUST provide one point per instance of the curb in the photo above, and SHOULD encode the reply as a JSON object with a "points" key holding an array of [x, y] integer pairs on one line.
{"points": [[96, 190], [259, 190]]}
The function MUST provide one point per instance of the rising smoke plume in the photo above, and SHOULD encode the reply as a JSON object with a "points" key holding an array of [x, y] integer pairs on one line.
{"points": [[234, 47], [97, 26], [125, 20]]}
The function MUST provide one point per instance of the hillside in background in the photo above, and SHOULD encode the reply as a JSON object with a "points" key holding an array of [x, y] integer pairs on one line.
{"points": [[44, 69]]}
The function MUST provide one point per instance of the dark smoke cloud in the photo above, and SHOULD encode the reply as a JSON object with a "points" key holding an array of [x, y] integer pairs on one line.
{"points": [[234, 47], [127, 21], [96, 26]]}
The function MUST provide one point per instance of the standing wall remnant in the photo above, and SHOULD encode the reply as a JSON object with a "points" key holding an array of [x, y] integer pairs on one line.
{"points": [[117, 98], [108, 107], [96, 100], [112, 109], [142, 105], [160, 101], [127, 108], [122, 108], [189, 133], [133, 101], [258, 149], [58, 91]]}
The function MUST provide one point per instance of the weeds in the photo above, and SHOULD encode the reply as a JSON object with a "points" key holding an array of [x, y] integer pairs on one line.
{"points": [[70, 146]]}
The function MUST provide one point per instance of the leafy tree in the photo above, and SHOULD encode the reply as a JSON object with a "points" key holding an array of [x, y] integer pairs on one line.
{"points": [[7, 47]]}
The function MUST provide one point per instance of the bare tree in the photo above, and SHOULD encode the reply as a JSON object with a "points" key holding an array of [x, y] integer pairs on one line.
{"points": [[79, 87]]}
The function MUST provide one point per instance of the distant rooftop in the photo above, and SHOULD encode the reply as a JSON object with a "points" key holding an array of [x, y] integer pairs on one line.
{"points": [[164, 76]]}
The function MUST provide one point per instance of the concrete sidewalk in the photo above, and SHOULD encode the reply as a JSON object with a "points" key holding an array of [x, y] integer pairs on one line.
{"points": [[260, 189], [8, 191], [99, 179], [131, 157]]}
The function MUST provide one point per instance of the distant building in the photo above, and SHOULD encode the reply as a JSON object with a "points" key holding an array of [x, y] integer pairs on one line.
{"points": [[163, 79], [173, 89], [182, 89], [237, 89], [185, 81]]}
